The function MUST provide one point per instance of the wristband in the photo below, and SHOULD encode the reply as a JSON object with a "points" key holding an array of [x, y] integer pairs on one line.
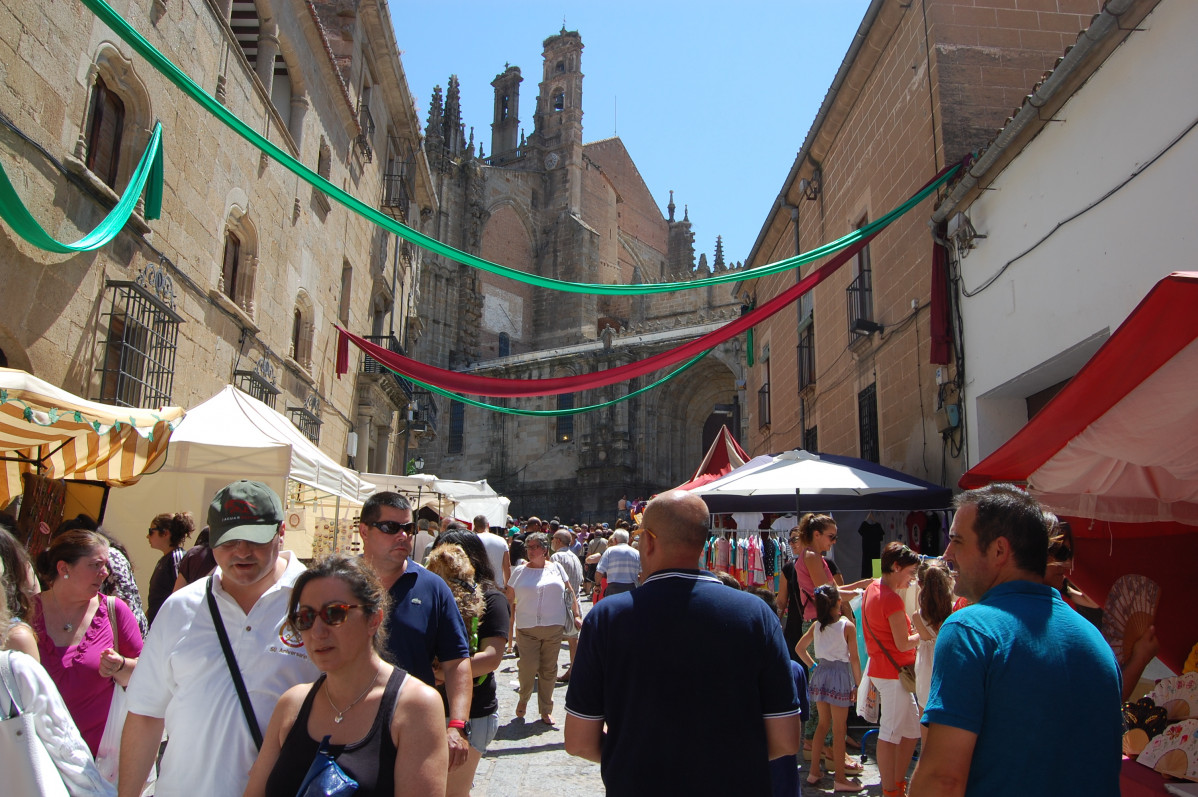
{"points": [[459, 724], [118, 669]]}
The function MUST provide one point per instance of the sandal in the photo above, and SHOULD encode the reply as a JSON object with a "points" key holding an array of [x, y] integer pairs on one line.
{"points": [[848, 786], [814, 779], [850, 766]]}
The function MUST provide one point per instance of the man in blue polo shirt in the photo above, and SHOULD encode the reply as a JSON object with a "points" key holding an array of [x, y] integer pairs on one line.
{"points": [[676, 664], [425, 621], [1018, 672]]}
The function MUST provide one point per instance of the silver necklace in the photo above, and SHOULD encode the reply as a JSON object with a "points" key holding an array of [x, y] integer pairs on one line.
{"points": [[340, 713]]}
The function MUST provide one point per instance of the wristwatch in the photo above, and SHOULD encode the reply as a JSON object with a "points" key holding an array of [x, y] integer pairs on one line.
{"points": [[461, 725]]}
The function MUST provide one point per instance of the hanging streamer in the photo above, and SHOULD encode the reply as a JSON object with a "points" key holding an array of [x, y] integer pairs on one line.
{"points": [[149, 169], [160, 62], [498, 387], [554, 413]]}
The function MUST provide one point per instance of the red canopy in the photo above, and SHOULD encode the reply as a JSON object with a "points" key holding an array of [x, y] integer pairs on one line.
{"points": [[1116, 452], [724, 455]]}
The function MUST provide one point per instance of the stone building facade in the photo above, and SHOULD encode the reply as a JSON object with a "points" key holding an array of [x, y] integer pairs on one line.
{"points": [[245, 274], [850, 371], [549, 204]]}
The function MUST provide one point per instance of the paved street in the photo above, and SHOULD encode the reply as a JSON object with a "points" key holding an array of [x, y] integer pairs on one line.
{"points": [[527, 758]]}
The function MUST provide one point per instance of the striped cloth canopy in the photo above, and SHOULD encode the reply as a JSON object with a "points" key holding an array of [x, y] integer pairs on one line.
{"points": [[71, 438]]}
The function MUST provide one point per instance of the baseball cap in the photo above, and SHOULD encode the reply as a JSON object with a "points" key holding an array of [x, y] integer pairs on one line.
{"points": [[244, 510]]}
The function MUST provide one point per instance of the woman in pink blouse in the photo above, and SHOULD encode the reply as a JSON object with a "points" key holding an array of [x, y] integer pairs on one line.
{"points": [[74, 633]]}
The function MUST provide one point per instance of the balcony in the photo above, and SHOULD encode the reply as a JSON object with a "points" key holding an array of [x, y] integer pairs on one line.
{"points": [[424, 419], [860, 296], [398, 389], [807, 357], [366, 137], [397, 195]]}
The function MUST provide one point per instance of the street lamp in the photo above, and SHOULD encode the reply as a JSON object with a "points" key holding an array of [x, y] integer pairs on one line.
{"points": [[419, 463]]}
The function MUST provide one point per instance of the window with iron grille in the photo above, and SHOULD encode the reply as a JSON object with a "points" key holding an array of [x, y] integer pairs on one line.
{"points": [[565, 423], [457, 426], [763, 395], [867, 421], [811, 439], [307, 417], [860, 291], [807, 356], [142, 336]]}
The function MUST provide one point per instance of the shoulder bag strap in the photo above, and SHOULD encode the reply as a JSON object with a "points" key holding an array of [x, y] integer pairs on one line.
{"points": [[870, 628], [235, 671], [10, 685], [116, 637]]}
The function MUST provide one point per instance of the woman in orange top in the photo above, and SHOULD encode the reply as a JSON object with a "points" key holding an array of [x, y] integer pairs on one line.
{"points": [[891, 640]]}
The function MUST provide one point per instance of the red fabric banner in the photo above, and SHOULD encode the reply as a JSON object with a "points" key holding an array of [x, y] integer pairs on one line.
{"points": [[498, 387], [942, 336]]}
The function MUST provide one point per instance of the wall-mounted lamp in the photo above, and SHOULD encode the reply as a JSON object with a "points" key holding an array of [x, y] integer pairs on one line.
{"points": [[419, 463], [810, 188]]}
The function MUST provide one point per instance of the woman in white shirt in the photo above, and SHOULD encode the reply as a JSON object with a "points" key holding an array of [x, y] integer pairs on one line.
{"points": [[537, 592]]}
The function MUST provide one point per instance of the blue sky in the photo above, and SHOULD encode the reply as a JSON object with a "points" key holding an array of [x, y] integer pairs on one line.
{"points": [[712, 99]]}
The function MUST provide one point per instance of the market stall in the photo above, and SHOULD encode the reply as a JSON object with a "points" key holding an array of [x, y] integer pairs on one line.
{"points": [[462, 500], [724, 456], [1115, 453], [234, 436], [64, 452]]}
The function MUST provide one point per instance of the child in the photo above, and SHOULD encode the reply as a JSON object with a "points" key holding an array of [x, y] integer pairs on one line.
{"points": [[935, 604], [833, 684]]}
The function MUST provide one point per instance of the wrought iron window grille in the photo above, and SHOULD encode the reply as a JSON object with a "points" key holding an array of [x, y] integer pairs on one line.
{"points": [[138, 369], [307, 417], [261, 381]]}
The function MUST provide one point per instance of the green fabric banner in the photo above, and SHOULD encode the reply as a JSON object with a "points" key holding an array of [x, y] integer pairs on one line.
{"points": [[14, 212], [172, 73]]}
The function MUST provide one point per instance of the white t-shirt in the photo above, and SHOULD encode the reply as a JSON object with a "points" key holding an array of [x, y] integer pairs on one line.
{"points": [[182, 677], [540, 596], [420, 545], [496, 548]]}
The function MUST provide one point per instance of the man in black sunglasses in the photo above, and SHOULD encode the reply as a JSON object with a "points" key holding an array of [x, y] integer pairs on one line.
{"points": [[425, 622]]}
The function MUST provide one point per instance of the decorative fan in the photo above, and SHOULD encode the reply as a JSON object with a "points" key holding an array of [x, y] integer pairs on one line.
{"points": [[1130, 609], [1143, 720], [1174, 752], [1178, 695], [1191, 664]]}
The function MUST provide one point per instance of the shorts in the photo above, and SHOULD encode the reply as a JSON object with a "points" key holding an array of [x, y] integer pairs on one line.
{"points": [[900, 715], [482, 731]]}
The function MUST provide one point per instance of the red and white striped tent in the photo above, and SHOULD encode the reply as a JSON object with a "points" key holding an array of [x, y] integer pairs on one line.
{"points": [[724, 456], [44, 429]]}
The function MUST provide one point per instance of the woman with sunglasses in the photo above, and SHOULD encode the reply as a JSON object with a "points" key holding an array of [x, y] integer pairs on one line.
{"points": [[167, 534], [537, 592], [385, 730]]}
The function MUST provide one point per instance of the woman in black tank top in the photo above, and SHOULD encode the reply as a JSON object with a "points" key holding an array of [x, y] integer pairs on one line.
{"points": [[362, 703]]}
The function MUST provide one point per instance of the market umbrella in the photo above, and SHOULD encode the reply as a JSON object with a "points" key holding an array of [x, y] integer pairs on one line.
{"points": [[44, 429], [723, 457], [800, 480]]}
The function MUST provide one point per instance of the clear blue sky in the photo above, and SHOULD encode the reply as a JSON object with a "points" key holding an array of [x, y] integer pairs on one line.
{"points": [[712, 99]]}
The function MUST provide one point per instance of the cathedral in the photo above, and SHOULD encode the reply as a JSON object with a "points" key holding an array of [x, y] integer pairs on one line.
{"points": [[549, 204]]}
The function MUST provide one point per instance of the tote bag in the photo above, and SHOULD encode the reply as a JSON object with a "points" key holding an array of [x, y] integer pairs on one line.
{"points": [[24, 760], [108, 754]]}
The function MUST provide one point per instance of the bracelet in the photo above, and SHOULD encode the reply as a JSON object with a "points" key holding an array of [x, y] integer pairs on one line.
{"points": [[459, 724], [118, 669]]}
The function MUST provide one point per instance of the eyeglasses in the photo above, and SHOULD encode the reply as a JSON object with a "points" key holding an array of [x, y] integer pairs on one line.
{"points": [[392, 527], [650, 533], [332, 613], [534, 547]]}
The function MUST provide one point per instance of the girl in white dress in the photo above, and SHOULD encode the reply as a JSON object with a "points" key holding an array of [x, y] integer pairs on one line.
{"points": [[935, 604], [833, 684]]}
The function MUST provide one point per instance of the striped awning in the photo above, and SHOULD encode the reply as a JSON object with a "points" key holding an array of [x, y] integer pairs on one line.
{"points": [[46, 430]]}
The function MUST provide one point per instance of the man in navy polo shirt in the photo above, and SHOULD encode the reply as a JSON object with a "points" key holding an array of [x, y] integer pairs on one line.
{"points": [[677, 663], [1017, 670], [425, 621]]}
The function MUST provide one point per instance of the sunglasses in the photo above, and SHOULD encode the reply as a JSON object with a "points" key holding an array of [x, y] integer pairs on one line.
{"points": [[332, 613], [392, 527]]}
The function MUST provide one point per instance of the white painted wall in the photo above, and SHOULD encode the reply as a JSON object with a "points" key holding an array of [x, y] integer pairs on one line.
{"points": [[1051, 309]]}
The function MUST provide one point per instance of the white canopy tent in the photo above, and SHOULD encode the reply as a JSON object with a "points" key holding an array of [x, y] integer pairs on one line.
{"points": [[460, 499], [234, 436]]}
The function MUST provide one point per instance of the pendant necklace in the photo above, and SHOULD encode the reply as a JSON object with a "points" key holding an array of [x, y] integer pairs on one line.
{"points": [[340, 713]]}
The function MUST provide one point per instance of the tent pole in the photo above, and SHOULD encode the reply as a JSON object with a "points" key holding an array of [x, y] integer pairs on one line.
{"points": [[798, 503]]}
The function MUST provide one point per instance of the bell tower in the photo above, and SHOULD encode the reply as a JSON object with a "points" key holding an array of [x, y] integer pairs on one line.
{"points": [[505, 128], [557, 123]]}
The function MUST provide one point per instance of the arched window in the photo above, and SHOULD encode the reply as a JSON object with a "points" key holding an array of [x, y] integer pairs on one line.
{"points": [[239, 264], [559, 101], [105, 127], [301, 330]]}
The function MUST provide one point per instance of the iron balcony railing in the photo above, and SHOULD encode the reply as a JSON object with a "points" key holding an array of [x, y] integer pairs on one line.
{"points": [[861, 303], [372, 366]]}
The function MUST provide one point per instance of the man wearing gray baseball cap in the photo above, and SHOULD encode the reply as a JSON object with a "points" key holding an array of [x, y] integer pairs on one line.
{"points": [[218, 656]]}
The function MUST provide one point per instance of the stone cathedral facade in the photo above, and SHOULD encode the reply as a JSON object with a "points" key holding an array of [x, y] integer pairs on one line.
{"points": [[550, 204]]}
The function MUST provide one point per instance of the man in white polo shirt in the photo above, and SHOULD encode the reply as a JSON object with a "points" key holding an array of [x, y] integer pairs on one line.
{"points": [[183, 680], [496, 547]]}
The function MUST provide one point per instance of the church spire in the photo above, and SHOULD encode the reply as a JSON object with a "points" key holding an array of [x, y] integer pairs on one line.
{"points": [[671, 206], [719, 252]]}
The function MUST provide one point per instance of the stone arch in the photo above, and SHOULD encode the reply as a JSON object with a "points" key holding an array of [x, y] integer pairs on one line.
{"points": [[120, 77], [525, 221], [680, 409]]}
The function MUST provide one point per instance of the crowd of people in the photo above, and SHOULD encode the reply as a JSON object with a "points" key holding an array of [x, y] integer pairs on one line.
{"points": [[254, 673]]}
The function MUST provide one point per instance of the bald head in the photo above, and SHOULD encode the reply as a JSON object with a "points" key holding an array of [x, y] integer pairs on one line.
{"points": [[678, 519]]}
